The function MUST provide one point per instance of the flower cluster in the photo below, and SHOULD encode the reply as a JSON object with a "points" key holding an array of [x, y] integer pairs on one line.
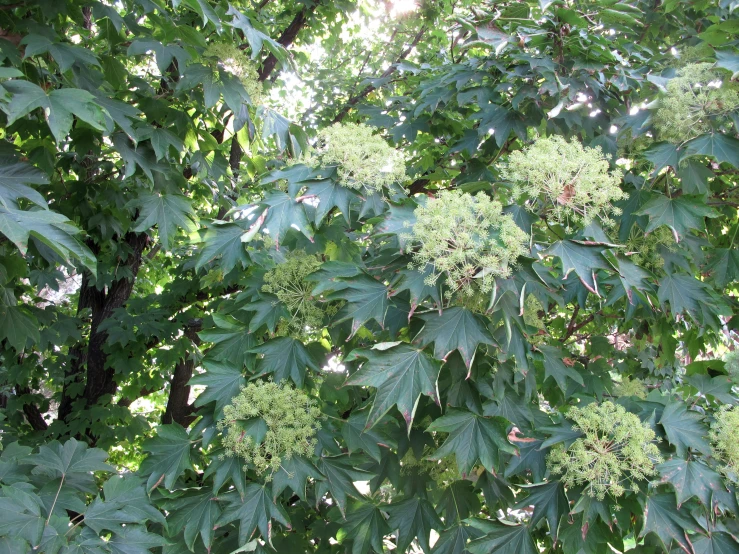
{"points": [[442, 472], [630, 387], [364, 160], [616, 447], [289, 416], [468, 238], [723, 437], [238, 64], [644, 249], [572, 180], [532, 309], [287, 281], [695, 97]]}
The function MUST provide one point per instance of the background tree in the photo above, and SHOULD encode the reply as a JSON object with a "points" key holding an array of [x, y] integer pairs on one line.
{"points": [[439, 276]]}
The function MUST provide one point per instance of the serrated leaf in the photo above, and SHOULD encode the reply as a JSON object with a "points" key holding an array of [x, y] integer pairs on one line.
{"points": [[685, 429], [340, 475], [724, 266], [330, 195], [62, 460], [684, 294], [17, 327], [690, 478], [254, 511], [223, 241], [549, 502], [454, 539], [135, 539], [285, 358], [472, 438], [168, 212], [680, 214], [196, 513], [294, 474], [284, 214], [365, 526], [502, 538], [366, 300], [222, 382], [667, 521], [412, 518], [169, 456], [555, 367], [722, 148], [15, 177], [455, 329], [268, 310], [581, 259], [401, 375]]}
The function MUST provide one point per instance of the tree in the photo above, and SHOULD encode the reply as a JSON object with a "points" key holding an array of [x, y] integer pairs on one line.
{"points": [[303, 276]]}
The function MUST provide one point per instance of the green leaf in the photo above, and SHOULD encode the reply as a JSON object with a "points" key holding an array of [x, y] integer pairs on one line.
{"points": [[724, 266], [62, 460], [719, 388], [222, 382], [412, 518], [401, 374], [584, 260], [168, 212], [454, 540], [285, 358], [531, 458], [683, 293], [330, 195], [224, 241], [398, 222], [59, 106], [268, 310], [365, 526], [169, 456], [662, 154], [17, 327], [728, 59], [340, 475], [20, 520], [555, 367], [502, 538], [52, 229], [359, 436], [415, 283], [284, 213], [135, 539], [196, 512], [14, 180], [715, 543], [366, 299], [472, 438], [253, 511], [667, 521], [685, 429], [717, 145], [549, 502], [690, 478], [233, 341], [458, 501], [694, 177], [680, 214], [294, 474], [455, 329]]}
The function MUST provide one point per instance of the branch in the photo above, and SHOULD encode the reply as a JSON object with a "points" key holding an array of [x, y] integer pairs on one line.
{"points": [[178, 408], [354, 100], [31, 411], [286, 39]]}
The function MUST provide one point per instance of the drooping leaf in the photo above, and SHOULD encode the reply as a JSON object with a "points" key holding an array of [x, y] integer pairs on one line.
{"points": [[294, 474], [454, 539], [340, 475], [254, 511], [222, 382], [285, 358], [555, 367], [412, 518], [283, 214], [690, 478], [549, 502], [169, 456], [723, 148], [472, 438], [685, 429], [455, 329], [680, 214], [365, 526], [502, 538], [667, 521], [401, 374], [581, 259], [366, 299], [168, 212], [196, 513]]}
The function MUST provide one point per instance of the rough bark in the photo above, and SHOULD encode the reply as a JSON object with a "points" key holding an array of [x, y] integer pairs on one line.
{"points": [[179, 410], [31, 411]]}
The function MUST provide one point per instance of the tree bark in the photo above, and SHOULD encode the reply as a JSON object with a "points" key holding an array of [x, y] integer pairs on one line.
{"points": [[179, 410], [31, 411]]}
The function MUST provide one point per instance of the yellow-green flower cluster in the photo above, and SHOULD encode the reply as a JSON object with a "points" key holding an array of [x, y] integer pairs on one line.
{"points": [[287, 281], [468, 239], [442, 472], [695, 97], [616, 448], [238, 64], [724, 435], [574, 182], [630, 387], [731, 365], [644, 250], [290, 417], [364, 160]]}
